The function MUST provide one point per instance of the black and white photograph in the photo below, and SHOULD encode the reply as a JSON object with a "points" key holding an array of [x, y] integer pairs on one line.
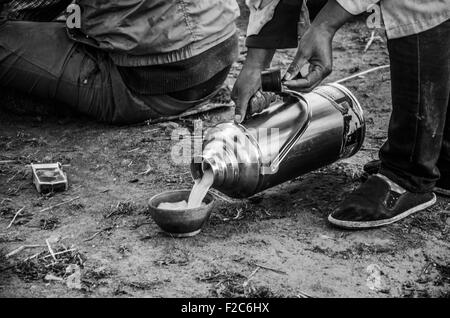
{"points": [[224, 153]]}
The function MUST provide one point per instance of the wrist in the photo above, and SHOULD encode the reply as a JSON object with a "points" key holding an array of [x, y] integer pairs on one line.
{"points": [[331, 18], [325, 29], [258, 58]]}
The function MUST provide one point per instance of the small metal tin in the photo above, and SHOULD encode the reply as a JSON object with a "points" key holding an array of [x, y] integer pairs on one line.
{"points": [[49, 177]]}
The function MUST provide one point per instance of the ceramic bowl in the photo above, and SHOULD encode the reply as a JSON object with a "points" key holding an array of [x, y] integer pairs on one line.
{"points": [[180, 223]]}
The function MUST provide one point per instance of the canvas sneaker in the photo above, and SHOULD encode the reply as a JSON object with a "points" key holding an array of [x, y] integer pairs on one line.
{"points": [[379, 202], [442, 186]]}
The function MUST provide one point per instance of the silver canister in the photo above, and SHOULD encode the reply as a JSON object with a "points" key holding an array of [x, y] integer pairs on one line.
{"points": [[297, 134]]}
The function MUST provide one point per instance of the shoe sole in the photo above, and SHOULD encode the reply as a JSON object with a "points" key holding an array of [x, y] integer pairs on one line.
{"points": [[379, 223], [442, 192]]}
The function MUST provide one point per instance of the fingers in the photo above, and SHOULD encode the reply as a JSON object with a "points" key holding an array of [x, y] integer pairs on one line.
{"points": [[260, 101], [314, 47], [295, 68], [247, 84], [315, 76], [256, 103], [241, 97]]}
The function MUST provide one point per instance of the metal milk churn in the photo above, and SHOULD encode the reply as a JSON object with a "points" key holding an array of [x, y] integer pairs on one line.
{"points": [[296, 134]]}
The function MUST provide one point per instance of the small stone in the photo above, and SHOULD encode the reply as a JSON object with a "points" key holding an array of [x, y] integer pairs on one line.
{"points": [[47, 159], [74, 280], [125, 162], [53, 278], [375, 280]]}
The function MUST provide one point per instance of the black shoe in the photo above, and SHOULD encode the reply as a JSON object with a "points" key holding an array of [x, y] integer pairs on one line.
{"points": [[442, 188], [379, 202], [372, 167]]}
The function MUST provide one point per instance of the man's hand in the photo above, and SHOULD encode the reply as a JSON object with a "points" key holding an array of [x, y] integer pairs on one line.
{"points": [[314, 48], [249, 80], [247, 84]]}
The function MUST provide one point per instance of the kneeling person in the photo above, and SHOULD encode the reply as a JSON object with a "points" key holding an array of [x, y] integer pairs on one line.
{"points": [[129, 61]]}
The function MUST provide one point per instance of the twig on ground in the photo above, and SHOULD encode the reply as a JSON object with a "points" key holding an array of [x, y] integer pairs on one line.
{"points": [[64, 166], [156, 139], [304, 295], [133, 150], [32, 256], [50, 249], [76, 188], [425, 268], [19, 249], [146, 172], [235, 218], [14, 218], [185, 114], [59, 204], [4, 200], [5, 162], [11, 179], [97, 233], [114, 210], [271, 269], [136, 226], [220, 196], [177, 175], [60, 253], [251, 276], [238, 215], [369, 43], [151, 130], [79, 259]]}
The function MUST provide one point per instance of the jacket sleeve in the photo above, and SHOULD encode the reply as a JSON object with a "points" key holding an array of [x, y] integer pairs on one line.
{"points": [[275, 24], [356, 7]]}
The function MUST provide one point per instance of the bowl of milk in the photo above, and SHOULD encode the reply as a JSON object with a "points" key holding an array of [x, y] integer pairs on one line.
{"points": [[171, 211]]}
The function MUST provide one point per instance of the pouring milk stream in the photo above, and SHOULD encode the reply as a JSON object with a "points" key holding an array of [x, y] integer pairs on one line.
{"points": [[198, 193]]}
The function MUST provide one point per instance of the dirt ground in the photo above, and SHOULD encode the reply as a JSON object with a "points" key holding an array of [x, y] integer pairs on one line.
{"points": [[277, 244]]}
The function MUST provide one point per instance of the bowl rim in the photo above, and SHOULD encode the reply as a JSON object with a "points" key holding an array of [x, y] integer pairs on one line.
{"points": [[150, 203]]}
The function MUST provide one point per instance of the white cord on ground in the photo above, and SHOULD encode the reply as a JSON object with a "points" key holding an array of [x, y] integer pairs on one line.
{"points": [[362, 73]]}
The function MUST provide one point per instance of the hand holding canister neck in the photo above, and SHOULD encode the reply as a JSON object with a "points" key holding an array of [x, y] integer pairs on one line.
{"points": [[260, 101], [263, 98]]}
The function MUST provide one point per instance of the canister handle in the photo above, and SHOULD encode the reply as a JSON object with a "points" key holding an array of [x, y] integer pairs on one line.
{"points": [[291, 142]]}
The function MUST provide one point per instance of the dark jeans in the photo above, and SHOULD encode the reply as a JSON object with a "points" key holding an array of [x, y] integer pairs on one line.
{"points": [[39, 59], [417, 152]]}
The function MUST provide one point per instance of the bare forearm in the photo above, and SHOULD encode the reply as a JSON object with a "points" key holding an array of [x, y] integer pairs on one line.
{"points": [[315, 48], [332, 17], [258, 58], [280, 31]]}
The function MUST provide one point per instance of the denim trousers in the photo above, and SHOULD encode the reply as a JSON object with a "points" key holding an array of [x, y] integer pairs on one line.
{"points": [[417, 152]]}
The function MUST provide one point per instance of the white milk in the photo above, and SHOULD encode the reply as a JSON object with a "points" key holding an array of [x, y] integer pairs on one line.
{"points": [[173, 206], [198, 193], [200, 189]]}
